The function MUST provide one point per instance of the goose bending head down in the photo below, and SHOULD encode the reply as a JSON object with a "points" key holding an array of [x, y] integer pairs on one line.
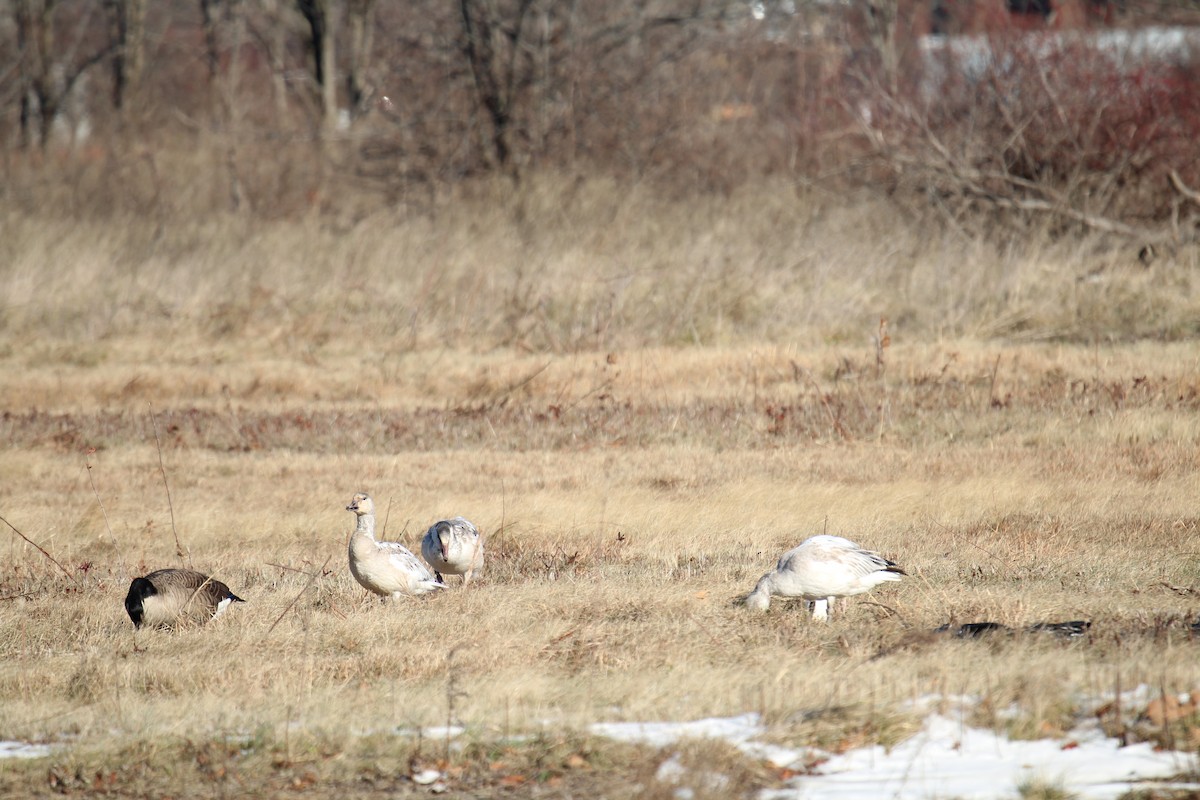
{"points": [[821, 569], [453, 547], [385, 568], [169, 597]]}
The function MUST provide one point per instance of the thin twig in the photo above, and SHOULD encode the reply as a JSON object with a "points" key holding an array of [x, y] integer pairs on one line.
{"points": [[992, 385], [179, 551], [312, 577], [452, 695], [888, 609], [104, 511], [1183, 188], [289, 569], [183, 610], [41, 549]]}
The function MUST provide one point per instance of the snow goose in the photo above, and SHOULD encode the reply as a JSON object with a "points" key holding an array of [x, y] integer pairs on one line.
{"points": [[168, 596], [820, 569], [453, 547], [385, 568]]}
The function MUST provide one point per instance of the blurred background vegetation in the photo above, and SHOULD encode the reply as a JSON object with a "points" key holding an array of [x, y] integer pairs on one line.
{"points": [[870, 154], [279, 107]]}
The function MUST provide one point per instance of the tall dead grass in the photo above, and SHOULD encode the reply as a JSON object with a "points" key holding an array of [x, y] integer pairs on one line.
{"points": [[567, 265]]}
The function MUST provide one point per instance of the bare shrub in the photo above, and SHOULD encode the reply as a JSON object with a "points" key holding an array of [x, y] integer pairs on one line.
{"points": [[1055, 132]]}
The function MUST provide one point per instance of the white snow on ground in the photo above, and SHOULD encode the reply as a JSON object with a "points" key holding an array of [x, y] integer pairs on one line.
{"points": [[738, 731], [23, 750], [434, 732], [945, 759]]}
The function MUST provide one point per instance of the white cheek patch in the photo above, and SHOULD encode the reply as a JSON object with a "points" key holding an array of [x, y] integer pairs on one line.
{"points": [[221, 606]]}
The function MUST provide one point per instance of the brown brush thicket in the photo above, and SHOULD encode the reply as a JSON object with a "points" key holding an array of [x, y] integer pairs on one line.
{"points": [[280, 108], [1054, 133]]}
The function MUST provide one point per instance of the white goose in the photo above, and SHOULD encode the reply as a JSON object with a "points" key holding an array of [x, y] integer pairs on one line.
{"points": [[453, 547], [820, 569], [385, 568], [168, 597]]}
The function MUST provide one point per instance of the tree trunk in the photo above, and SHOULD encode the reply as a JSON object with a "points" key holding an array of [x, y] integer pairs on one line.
{"points": [[34, 20], [881, 27], [360, 18], [129, 23], [317, 13], [208, 18]]}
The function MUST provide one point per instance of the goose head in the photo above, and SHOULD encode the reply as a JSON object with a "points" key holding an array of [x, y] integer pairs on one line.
{"points": [[361, 504]]}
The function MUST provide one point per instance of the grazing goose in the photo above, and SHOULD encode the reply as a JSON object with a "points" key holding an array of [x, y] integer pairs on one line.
{"points": [[168, 596], [385, 568], [820, 569], [454, 547]]}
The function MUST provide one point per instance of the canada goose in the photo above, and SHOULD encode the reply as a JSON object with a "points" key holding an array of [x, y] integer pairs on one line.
{"points": [[820, 569], [168, 596], [385, 568], [453, 546]]}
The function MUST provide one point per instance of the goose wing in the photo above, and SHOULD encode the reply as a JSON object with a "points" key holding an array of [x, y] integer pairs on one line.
{"points": [[837, 553], [164, 579], [187, 582], [402, 559], [862, 563]]}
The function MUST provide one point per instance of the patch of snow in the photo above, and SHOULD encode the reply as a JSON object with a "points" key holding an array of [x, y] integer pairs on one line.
{"points": [[946, 758], [23, 750], [739, 731], [434, 732], [734, 730], [426, 777]]}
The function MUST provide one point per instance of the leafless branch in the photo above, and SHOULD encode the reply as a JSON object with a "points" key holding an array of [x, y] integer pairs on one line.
{"points": [[1183, 188]]}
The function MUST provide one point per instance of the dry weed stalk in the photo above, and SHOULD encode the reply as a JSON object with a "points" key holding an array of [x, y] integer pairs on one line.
{"points": [[453, 695], [312, 576], [179, 549], [882, 342], [116, 546], [42, 550]]}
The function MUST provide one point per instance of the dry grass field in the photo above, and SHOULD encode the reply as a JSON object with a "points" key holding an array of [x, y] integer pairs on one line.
{"points": [[642, 401]]}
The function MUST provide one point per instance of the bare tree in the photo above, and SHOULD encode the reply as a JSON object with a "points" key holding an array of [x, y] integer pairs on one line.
{"points": [[495, 47], [49, 65], [129, 35], [319, 16], [360, 20], [212, 52]]}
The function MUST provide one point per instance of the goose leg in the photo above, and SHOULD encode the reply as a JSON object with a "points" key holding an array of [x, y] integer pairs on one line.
{"points": [[821, 609]]}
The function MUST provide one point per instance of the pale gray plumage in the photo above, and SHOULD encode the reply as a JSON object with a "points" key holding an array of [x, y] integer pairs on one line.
{"points": [[169, 597], [388, 569], [820, 569], [453, 547]]}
